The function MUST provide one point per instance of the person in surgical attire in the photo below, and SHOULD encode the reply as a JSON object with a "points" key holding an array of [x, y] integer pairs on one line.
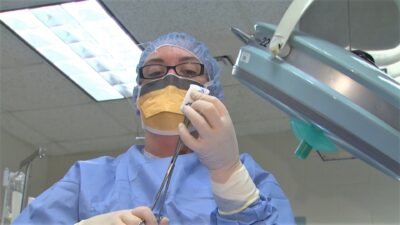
{"points": [[211, 182]]}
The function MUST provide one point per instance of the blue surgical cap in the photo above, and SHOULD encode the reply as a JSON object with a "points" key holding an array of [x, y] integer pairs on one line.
{"points": [[189, 43]]}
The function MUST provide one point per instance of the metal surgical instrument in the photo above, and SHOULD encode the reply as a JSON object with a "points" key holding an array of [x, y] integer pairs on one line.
{"points": [[162, 191]]}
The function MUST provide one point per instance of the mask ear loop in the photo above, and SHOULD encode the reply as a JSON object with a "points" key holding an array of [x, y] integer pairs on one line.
{"points": [[135, 106], [208, 84], [138, 115]]}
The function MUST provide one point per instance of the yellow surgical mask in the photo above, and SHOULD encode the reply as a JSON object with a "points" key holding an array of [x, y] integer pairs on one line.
{"points": [[159, 102]]}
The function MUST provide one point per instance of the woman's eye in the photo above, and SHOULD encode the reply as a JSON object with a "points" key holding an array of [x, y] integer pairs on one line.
{"points": [[189, 72], [155, 74], [153, 71]]}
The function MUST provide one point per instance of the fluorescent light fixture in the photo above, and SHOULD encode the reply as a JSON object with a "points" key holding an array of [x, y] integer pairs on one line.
{"points": [[83, 42]]}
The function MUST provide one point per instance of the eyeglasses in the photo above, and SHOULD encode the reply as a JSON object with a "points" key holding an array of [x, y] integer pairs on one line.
{"points": [[154, 71]]}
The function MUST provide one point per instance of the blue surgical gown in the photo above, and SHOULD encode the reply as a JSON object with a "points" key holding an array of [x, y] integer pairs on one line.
{"points": [[132, 179]]}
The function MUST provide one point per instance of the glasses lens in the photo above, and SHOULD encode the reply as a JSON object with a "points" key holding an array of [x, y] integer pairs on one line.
{"points": [[189, 69], [153, 71]]}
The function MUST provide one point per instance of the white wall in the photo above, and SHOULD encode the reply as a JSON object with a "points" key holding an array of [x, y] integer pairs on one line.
{"points": [[335, 192], [12, 152], [339, 192]]}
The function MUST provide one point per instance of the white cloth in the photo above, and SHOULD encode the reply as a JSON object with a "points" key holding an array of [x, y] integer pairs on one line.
{"points": [[236, 194]]}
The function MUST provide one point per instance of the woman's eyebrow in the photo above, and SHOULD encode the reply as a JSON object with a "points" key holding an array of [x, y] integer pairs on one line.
{"points": [[181, 59], [188, 58], [154, 60]]}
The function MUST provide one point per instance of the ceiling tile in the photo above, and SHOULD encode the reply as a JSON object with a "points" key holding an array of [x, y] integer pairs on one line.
{"points": [[14, 52], [101, 144], [21, 130], [123, 112], [208, 20], [54, 149], [72, 123], [245, 106], [226, 74], [353, 21], [38, 86], [12, 4], [261, 127]]}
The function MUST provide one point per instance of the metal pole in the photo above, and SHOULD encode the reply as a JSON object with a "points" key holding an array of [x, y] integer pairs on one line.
{"points": [[24, 202], [41, 152]]}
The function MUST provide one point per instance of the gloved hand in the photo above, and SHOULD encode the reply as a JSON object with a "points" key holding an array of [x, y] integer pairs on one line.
{"points": [[216, 144], [125, 217]]}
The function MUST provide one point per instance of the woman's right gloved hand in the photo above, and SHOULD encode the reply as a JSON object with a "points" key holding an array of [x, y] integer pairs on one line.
{"points": [[125, 217], [216, 144]]}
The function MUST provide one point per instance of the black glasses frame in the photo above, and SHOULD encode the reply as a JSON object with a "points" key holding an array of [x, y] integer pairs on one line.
{"points": [[168, 68]]}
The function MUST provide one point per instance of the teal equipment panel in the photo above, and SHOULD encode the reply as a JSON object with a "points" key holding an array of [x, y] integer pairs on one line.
{"points": [[353, 103]]}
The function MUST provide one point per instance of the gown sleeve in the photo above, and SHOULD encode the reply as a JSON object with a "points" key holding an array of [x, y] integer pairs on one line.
{"points": [[57, 205], [272, 208]]}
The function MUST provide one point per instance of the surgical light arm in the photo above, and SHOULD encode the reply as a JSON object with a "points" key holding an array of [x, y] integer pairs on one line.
{"points": [[286, 26]]}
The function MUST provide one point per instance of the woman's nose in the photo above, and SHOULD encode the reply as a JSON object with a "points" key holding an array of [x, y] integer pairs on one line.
{"points": [[172, 71]]}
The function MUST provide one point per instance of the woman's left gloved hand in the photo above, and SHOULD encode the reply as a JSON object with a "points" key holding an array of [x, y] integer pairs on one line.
{"points": [[216, 144], [138, 215]]}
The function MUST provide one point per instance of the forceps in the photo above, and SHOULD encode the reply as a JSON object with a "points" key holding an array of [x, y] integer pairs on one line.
{"points": [[162, 191]]}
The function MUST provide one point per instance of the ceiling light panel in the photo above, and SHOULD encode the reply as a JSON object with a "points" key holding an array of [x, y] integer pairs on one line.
{"points": [[84, 42]]}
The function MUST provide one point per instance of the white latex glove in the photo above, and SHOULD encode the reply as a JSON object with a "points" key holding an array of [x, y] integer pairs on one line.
{"points": [[216, 144], [125, 217]]}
